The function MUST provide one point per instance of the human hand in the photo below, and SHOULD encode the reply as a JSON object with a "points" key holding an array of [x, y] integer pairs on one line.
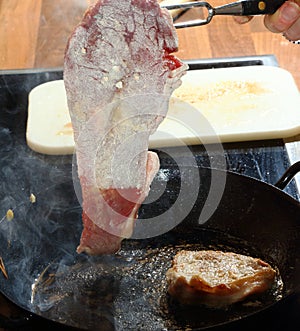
{"points": [[285, 20]]}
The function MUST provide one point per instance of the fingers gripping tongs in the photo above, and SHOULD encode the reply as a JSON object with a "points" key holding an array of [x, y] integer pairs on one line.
{"points": [[239, 8]]}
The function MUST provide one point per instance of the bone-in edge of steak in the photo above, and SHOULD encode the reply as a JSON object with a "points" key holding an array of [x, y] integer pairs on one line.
{"points": [[119, 74], [217, 279]]}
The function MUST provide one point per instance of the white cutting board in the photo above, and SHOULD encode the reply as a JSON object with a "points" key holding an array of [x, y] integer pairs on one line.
{"points": [[212, 105]]}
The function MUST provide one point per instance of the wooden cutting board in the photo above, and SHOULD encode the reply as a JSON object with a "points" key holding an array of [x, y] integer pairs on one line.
{"points": [[212, 105]]}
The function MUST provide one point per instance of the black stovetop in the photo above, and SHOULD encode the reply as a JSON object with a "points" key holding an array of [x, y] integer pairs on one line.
{"points": [[264, 160]]}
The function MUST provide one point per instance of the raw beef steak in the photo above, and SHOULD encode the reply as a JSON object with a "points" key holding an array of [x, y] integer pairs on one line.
{"points": [[119, 75]]}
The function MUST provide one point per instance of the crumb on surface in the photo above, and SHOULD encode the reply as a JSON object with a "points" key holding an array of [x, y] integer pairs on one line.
{"points": [[9, 214], [32, 198]]}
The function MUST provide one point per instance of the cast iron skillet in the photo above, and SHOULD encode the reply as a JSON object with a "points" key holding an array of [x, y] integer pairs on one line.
{"points": [[127, 291]]}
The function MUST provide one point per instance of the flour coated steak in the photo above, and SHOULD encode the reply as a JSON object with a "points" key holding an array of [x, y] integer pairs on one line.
{"points": [[217, 278], [119, 74]]}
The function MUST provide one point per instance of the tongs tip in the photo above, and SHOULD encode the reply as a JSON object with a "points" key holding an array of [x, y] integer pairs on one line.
{"points": [[207, 15]]}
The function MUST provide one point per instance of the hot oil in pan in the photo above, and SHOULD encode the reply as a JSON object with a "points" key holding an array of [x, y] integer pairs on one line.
{"points": [[128, 291]]}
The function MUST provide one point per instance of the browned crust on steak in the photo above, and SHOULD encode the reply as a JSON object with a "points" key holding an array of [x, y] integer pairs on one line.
{"points": [[217, 278]]}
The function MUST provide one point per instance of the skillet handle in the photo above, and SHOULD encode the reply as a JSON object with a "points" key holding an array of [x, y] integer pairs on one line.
{"points": [[288, 175]]}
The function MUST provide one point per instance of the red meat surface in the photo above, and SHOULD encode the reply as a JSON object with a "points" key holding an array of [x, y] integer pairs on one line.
{"points": [[119, 74]]}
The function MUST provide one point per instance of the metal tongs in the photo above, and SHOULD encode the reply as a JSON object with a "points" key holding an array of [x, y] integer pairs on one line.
{"points": [[239, 8]]}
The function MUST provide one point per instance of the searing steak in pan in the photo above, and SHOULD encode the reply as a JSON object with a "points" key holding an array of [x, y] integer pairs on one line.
{"points": [[128, 290], [119, 75], [217, 278]]}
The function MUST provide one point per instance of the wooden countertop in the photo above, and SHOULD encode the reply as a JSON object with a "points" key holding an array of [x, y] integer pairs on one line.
{"points": [[33, 34]]}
